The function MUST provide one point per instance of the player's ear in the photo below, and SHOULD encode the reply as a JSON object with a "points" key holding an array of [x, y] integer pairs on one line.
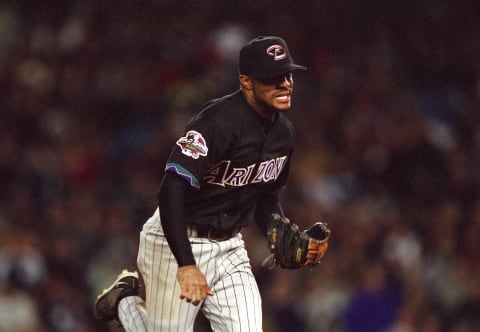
{"points": [[245, 82]]}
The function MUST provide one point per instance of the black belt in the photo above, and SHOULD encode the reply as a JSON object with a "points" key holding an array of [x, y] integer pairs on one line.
{"points": [[208, 232]]}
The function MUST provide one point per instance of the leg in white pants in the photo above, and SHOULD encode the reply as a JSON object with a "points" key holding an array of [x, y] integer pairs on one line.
{"points": [[132, 314], [236, 305]]}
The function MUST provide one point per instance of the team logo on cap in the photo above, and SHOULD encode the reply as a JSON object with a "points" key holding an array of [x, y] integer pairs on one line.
{"points": [[193, 144], [278, 52]]}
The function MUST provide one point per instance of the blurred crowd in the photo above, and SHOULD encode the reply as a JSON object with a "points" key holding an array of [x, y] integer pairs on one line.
{"points": [[93, 94]]}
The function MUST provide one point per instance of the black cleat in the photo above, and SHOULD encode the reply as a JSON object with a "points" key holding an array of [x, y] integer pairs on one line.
{"points": [[126, 284]]}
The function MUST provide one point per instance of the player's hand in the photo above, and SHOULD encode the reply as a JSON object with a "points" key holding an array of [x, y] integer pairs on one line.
{"points": [[193, 284]]}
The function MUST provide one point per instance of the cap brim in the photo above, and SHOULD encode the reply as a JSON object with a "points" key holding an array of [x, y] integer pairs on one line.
{"points": [[284, 69]]}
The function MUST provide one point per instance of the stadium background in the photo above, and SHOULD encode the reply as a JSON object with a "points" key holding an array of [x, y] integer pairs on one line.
{"points": [[93, 93]]}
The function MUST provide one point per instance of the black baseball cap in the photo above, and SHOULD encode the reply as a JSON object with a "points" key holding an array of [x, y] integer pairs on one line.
{"points": [[266, 56]]}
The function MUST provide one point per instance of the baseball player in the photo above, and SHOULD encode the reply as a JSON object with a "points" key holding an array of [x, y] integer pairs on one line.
{"points": [[224, 171]]}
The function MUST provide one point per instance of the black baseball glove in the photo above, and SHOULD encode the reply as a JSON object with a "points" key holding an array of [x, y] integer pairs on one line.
{"points": [[292, 249]]}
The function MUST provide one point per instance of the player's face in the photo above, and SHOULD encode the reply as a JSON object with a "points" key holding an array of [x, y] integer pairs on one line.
{"points": [[274, 92]]}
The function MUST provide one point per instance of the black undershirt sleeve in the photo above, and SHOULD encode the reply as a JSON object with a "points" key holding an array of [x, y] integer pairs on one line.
{"points": [[267, 205], [269, 202], [171, 201]]}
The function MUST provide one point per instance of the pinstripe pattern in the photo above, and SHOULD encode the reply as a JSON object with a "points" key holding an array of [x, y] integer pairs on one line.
{"points": [[236, 305], [132, 314]]}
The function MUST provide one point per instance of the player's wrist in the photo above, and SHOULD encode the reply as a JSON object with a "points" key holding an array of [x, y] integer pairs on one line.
{"points": [[187, 267], [186, 261]]}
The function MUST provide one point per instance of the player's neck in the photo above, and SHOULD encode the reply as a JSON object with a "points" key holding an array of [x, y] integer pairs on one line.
{"points": [[267, 114], [265, 111]]}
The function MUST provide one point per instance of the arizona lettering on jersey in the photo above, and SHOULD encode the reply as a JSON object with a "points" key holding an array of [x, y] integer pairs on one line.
{"points": [[223, 175], [231, 156]]}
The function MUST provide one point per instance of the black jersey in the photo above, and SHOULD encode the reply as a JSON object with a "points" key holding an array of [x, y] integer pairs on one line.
{"points": [[232, 156]]}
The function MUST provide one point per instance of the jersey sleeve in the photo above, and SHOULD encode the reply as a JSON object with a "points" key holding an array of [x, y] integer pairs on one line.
{"points": [[196, 150]]}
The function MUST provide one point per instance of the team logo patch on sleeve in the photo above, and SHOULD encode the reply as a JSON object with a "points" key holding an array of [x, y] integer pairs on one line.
{"points": [[193, 144]]}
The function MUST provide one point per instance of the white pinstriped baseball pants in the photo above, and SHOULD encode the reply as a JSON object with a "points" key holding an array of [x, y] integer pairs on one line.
{"points": [[236, 305]]}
